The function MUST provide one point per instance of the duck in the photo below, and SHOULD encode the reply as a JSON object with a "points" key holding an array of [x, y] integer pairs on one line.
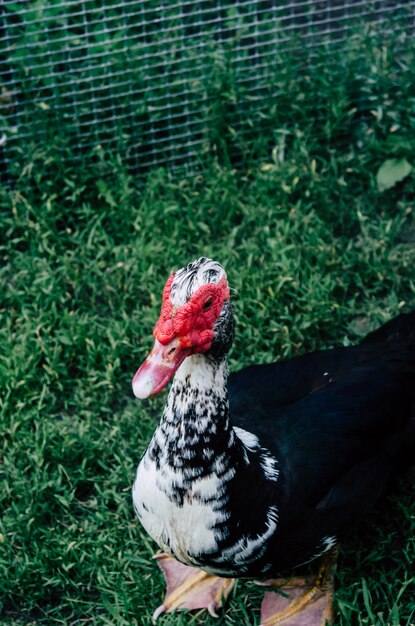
{"points": [[252, 474]]}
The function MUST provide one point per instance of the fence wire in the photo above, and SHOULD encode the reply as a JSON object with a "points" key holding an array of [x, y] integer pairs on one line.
{"points": [[141, 77]]}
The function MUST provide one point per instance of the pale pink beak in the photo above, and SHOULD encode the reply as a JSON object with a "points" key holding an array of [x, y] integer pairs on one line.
{"points": [[158, 368]]}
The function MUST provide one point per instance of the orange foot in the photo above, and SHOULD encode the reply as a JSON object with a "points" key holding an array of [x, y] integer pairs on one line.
{"points": [[302, 601], [190, 588], [298, 603]]}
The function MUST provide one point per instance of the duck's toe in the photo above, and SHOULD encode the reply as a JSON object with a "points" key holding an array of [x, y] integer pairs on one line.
{"points": [[302, 601], [299, 603], [190, 588]]}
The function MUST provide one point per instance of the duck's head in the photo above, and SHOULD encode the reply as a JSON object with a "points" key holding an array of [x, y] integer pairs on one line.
{"points": [[196, 317]]}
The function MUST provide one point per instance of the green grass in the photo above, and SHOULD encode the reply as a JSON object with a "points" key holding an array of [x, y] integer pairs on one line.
{"points": [[317, 256]]}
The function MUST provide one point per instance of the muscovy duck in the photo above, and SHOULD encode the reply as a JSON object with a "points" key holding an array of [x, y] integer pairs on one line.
{"points": [[253, 476]]}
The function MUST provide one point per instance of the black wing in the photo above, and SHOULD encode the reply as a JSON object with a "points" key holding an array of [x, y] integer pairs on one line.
{"points": [[338, 421]]}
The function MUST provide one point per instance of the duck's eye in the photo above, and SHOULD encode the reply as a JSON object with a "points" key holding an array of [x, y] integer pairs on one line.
{"points": [[207, 304]]}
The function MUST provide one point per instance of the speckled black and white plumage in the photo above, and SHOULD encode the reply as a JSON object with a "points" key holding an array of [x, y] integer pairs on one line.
{"points": [[188, 279], [254, 475], [193, 467]]}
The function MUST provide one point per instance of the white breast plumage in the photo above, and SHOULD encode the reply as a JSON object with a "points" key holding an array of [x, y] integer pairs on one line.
{"points": [[185, 530]]}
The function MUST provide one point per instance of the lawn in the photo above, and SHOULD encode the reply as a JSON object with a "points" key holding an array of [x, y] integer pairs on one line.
{"points": [[319, 249]]}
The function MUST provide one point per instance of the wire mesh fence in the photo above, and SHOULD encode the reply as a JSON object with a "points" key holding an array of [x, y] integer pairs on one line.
{"points": [[148, 79]]}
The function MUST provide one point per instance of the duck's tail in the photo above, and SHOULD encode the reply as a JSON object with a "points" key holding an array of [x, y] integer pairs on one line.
{"points": [[398, 337], [400, 329]]}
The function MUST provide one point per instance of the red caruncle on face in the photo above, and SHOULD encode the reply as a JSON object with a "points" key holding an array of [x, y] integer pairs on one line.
{"points": [[193, 322]]}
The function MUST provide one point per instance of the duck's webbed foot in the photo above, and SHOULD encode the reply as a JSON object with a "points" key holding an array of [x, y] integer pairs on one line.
{"points": [[302, 601], [190, 588]]}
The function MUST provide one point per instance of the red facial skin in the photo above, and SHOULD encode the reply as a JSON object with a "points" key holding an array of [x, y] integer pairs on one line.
{"points": [[179, 333], [193, 322]]}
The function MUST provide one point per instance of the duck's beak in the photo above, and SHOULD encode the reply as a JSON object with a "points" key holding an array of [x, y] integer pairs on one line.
{"points": [[158, 368]]}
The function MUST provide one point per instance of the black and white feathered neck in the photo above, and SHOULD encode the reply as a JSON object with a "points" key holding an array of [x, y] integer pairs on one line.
{"points": [[191, 486]]}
